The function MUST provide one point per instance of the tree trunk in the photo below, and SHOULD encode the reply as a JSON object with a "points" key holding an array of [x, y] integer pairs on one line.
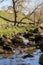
{"points": [[14, 12], [34, 20]]}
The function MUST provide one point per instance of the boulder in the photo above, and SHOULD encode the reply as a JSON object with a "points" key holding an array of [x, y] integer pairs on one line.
{"points": [[38, 38], [41, 25], [1, 41], [8, 42], [41, 45], [1, 50], [17, 41], [7, 49], [35, 30], [27, 35], [41, 59]]}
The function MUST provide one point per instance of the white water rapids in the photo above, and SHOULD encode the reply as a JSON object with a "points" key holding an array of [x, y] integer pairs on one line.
{"points": [[25, 40]]}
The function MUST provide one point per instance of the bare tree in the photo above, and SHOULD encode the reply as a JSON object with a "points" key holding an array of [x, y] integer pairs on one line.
{"points": [[37, 14], [18, 5], [29, 15]]}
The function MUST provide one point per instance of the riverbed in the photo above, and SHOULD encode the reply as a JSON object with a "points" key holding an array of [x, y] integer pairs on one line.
{"points": [[17, 59]]}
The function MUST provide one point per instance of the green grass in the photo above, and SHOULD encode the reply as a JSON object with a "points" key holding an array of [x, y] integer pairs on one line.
{"points": [[10, 31]]}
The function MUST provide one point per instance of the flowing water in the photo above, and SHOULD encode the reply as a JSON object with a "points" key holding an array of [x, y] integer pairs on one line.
{"points": [[17, 59], [25, 40]]}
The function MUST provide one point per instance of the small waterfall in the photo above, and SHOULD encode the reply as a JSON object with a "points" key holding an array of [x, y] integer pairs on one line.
{"points": [[25, 40]]}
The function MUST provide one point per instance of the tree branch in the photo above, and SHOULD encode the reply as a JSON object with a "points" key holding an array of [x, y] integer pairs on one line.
{"points": [[6, 19], [35, 9], [25, 18], [31, 13]]}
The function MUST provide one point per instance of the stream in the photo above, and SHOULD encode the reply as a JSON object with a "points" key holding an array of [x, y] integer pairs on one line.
{"points": [[17, 59]]}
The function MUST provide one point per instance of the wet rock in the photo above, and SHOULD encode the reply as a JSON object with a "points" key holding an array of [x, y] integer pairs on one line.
{"points": [[38, 38], [23, 64], [35, 30], [7, 49], [17, 41], [26, 56], [41, 45], [1, 41], [8, 42], [41, 26], [41, 59], [27, 35], [1, 50]]}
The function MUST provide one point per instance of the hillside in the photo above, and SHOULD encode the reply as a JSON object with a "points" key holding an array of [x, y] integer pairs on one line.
{"points": [[7, 15], [7, 27], [10, 16]]}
